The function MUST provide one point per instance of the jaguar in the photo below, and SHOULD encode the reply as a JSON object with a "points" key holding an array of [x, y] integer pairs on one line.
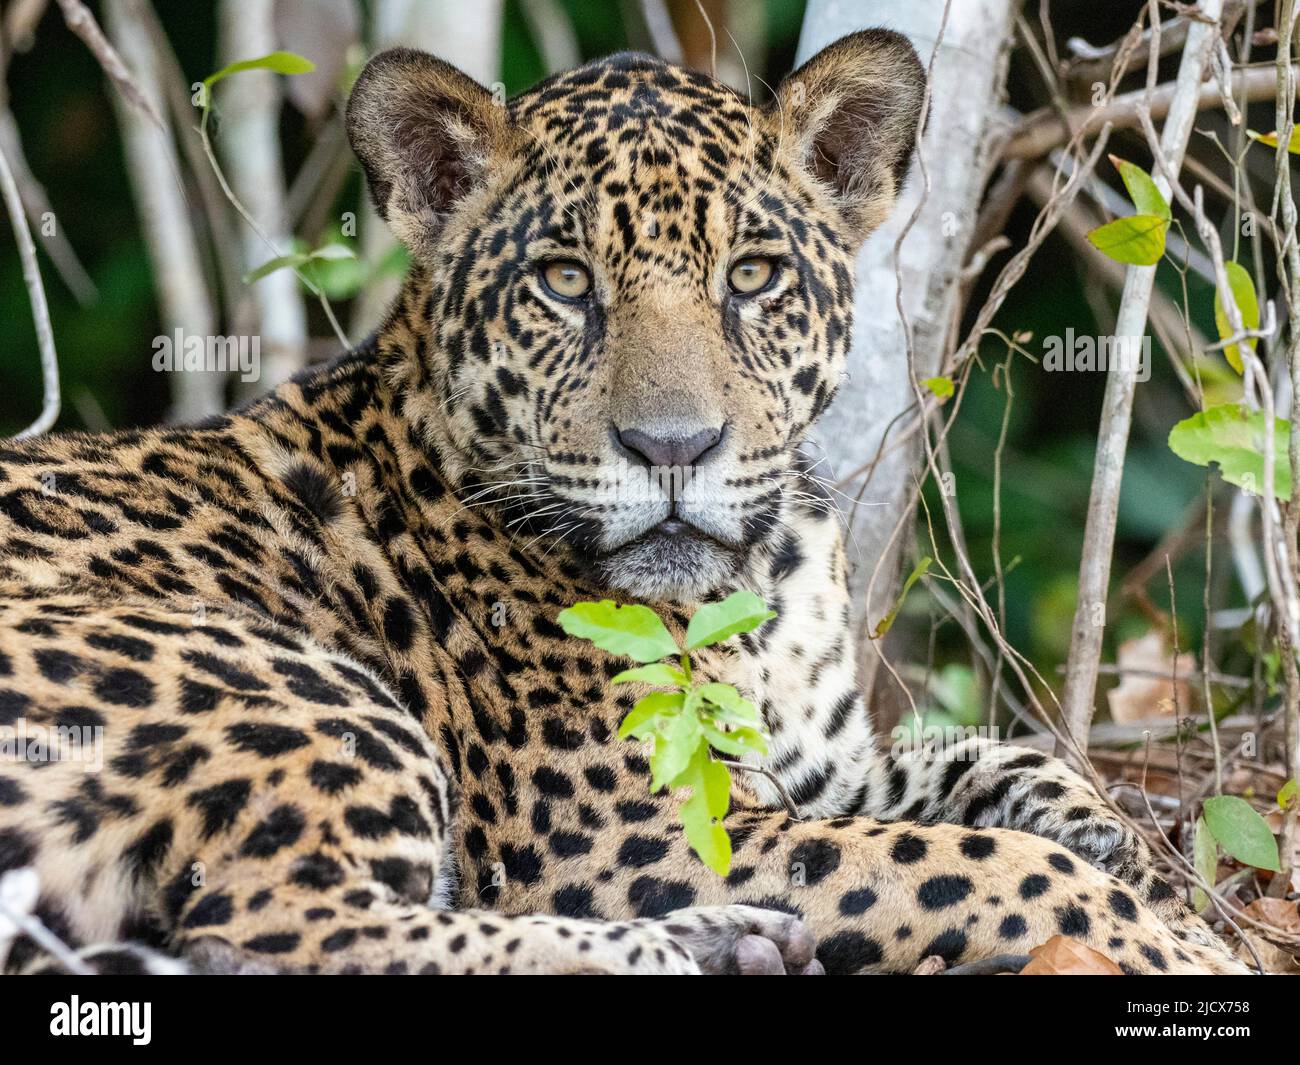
{"points": [[314, 645]]}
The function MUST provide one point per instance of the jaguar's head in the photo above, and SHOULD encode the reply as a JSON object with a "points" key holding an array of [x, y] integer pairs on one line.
{"points": [[632, 290]]}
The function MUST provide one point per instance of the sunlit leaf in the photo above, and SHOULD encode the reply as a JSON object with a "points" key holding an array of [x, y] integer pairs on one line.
{"points": [[701, 814], [1243, 295], [296, 260], [277, 62], [649, 713], [631, 630], [1233, 439], [1138, 240], [280, 262], [675, 744], [739, 741], [940, 386], [656, 673], [1293, 145], [1287, 794], [1142, 190], [1205, 856], [712, 623], [887, 622], [724, 703], [1241, 831]]}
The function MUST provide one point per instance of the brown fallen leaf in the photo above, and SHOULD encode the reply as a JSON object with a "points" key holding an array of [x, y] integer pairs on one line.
{"points": [[1141, 698], [1063, 956], [1279, 914]]}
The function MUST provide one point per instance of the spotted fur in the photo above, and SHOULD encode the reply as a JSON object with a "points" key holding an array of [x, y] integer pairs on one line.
{"points": [[342, 730]]}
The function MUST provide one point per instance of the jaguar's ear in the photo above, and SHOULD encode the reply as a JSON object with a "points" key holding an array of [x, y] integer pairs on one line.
{"points": [[425, 134], [849, 117]]}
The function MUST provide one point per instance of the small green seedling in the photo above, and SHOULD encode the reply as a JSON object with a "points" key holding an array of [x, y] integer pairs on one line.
{"points": [[688, 721]]}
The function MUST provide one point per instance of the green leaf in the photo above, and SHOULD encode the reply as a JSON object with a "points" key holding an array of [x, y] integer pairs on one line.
{"points": [[739, 741], [634, 631], [645, 716], [655, 673], [675, 745], [1138, 239], [1241, 831], [333, 251], [1243, 295], [940, 386], [702, 813], [724, 703], [714, 622], [1146, 197], [1293, 145], [280, 262], [1205, 856], [714, 783], [278, 62], [1287, 795], [887, 622], [1233, 438], [330, 252]]}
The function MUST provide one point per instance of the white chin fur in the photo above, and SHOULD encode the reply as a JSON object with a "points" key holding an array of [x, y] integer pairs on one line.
{"points": [[676, 569]]}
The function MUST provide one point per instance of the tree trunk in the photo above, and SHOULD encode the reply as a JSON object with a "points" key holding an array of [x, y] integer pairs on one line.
{"points": [[248, 139], [184, 300], [969, 75]]}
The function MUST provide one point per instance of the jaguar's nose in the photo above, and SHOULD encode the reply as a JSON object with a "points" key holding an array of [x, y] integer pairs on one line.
{"points": [[668, 450]]}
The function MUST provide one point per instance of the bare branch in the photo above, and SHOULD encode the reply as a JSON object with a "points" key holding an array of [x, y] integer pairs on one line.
{"points": [[1117, 407], [36, 294], [1091, 65], [1044, 129], [184, 300], [81, 22]]}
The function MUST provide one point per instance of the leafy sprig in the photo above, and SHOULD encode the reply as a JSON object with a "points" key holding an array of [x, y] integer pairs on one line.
{"points": [[686, 720]]}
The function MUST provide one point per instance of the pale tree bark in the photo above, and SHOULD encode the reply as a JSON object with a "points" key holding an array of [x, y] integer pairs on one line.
{"points": [[248, 139], [966, 94], [466, 35], [184, 301]]}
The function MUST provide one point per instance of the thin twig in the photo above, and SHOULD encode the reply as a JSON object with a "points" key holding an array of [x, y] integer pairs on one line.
{"points": [[81, 22], [1044, 130], [36, 294], [786, 800]]}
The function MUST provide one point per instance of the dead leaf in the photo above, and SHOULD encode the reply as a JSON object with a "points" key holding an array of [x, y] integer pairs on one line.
{"points": [[1276, 961], [1139, 697], [1063, 956], [1279, 913]]}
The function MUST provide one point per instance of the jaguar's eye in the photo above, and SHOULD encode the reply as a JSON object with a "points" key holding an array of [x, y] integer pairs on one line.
{"points": [[751, 275], [568, 280]]}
